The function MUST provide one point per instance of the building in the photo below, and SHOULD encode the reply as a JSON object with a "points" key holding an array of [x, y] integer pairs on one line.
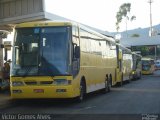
{"points": [[139, 40], [13, 12]]}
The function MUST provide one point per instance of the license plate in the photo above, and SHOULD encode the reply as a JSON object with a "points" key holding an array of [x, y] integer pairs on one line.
{"points": [[38, 90]]}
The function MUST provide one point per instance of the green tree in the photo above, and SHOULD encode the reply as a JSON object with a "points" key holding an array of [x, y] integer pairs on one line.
{"points": [[124, 12], [135, 35]]}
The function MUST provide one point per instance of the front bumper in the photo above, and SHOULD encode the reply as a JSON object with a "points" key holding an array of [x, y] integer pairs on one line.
{"points": [[43, 92]]}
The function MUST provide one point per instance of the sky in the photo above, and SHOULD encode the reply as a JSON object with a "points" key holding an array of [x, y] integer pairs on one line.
{"points": [[101, 14]]}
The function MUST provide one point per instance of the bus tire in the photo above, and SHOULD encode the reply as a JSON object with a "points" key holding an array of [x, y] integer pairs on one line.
{"points": [[140, 75], [121, 82], [109, 83], [130, 78], [107, 86], [80, 98]]}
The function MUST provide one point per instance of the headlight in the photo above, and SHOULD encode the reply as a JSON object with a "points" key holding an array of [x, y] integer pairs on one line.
{"points": [[61, 82], [17, 83]]}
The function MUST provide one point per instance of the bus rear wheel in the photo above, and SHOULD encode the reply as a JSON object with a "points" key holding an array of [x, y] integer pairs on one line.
{"points": [[107, 85], [121, 82], [140, 75]]}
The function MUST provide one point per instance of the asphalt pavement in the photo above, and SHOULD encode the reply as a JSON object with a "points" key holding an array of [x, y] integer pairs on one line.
{"points": [[138, 98]]}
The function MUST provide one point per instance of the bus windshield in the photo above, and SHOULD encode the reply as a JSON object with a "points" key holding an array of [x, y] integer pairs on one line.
{"points": [[146, 65], [41, 51], [146, 62]]}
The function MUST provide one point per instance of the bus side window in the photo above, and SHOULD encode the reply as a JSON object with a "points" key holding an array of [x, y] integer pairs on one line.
{"points": [[75, 38]]}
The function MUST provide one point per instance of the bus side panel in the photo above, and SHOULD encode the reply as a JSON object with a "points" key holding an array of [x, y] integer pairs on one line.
{"points": [[127, 66]]}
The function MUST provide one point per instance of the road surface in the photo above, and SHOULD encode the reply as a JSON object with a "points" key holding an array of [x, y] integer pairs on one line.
{"points": [[137, 99]]}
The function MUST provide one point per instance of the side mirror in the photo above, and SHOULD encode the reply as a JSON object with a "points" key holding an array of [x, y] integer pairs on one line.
{"points": [[77, 52], [5, 54], [1, 45]]}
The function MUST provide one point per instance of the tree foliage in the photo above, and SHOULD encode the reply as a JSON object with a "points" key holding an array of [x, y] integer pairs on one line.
{"points": [[124, 10], [135, 35]]}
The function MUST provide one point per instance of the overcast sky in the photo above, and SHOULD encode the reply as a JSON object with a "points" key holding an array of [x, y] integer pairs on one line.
{"points": [[101, 13]]}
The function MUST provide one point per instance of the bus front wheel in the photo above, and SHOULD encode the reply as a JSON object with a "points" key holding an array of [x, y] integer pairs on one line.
{"points": [[82, 91]]}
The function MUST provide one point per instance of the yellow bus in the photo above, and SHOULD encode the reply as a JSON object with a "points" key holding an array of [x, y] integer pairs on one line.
{"points": [[124, 65], [147, 66], [127, 64], [61, 60], [137, 66]]}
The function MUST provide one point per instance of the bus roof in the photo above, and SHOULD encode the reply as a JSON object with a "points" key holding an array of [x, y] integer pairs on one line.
{"points": [[147, 59], [136, 54], [44, 24], [97, 33], [61, 23], [124, 48]]}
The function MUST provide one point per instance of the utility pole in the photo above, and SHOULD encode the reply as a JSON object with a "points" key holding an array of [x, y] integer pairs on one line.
{"points": [[150, 3]]}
